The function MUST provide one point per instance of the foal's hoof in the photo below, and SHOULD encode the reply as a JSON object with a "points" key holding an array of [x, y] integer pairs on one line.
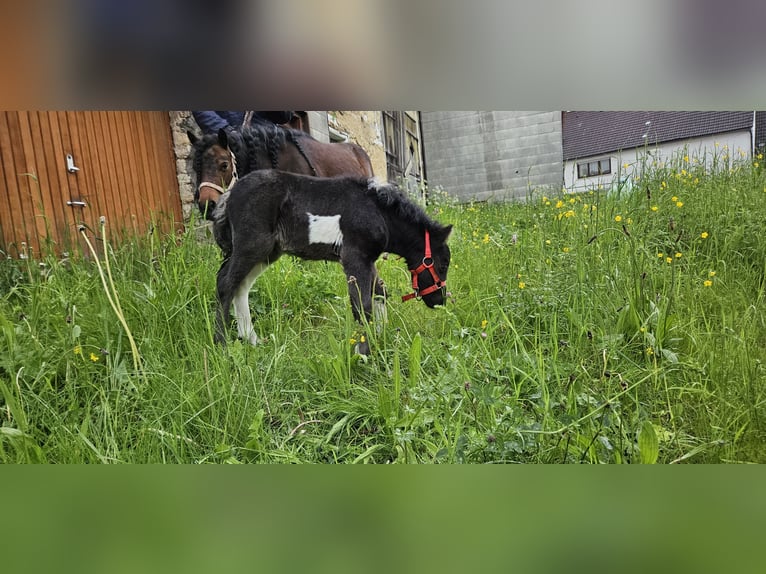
{"points": [[362, 348]]}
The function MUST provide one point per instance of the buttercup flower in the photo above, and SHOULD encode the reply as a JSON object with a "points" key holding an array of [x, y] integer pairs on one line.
{"points": [[707, 283], [704, 235]]}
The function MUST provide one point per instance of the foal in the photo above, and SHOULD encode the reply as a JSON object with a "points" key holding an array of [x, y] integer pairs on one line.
{"points": [[347, 219]]}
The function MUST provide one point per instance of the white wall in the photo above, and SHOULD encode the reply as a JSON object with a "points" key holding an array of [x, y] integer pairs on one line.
{"points": [[732, 146]]}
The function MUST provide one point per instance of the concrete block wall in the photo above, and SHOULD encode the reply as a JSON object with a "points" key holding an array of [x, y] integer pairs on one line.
{"points": [[493, 155]]}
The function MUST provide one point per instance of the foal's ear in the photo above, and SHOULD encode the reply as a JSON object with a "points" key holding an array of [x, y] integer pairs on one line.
{"points": [[192, 138], [444, 232]]}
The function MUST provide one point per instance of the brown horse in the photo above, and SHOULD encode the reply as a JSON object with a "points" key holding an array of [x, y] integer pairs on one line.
{"points": [[219, 159]]}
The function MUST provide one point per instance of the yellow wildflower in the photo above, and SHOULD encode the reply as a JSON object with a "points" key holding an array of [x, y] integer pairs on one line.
{"points": [[678, 255], [78, 350], [674, 198], [618, 218], [711, 274], [522, 285], [669, 259], [679, 204], [704, 235], [94, 357], [486, 238], [559, 204], [707, 283], [654, 208], [484, 323], [566, 249]]}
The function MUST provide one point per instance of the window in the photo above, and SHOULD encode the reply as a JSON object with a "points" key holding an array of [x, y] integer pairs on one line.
{"points": [[402, 138], [595, 167]]}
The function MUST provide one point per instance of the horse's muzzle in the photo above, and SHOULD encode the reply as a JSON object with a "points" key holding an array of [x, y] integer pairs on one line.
{"points": [[206, 208]]}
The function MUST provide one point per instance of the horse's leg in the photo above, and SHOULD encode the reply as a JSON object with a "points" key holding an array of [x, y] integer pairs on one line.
{"points": [[235, 278], [224, 302], [245, 329], [379, 311], [361, 279]]}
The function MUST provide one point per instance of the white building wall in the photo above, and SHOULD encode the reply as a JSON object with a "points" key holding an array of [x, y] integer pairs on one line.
{"points": [[729, 147]]}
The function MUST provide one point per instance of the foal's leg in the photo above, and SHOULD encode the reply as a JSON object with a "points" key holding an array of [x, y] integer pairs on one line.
{"points": [[361, 279], [245, 328], [379, 312], [235, 278]]}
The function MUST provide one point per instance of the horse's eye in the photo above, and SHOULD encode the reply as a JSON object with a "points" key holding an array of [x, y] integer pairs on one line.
{"points": [[224, 166]]}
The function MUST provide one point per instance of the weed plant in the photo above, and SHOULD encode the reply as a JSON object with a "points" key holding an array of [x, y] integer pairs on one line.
{"points": [[597, 327]]}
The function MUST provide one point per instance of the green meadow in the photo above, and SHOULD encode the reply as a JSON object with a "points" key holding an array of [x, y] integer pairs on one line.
{"points": [[608, 326]]}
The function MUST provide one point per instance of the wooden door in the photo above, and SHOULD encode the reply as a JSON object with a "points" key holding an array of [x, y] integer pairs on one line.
{"points": [[64, 169]]}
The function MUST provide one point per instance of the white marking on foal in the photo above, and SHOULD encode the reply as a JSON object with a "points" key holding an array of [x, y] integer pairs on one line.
{"points": [[325, 229], [245, 328]]}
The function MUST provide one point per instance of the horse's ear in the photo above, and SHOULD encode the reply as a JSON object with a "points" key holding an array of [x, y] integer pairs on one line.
{"points": [[192, 138], [223, 139]]}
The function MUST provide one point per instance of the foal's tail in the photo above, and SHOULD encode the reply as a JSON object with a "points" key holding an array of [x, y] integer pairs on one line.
{"points": [[221, 227]]}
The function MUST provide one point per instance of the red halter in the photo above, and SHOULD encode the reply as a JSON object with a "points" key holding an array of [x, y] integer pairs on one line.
{"points": [[428, 263]]}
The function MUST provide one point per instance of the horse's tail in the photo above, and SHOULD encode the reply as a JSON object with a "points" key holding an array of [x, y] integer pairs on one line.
{"points": [[221, 227], [363, 159]]}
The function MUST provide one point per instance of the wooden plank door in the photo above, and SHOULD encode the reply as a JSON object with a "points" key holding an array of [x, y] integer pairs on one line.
{"points": [[64, 169]]}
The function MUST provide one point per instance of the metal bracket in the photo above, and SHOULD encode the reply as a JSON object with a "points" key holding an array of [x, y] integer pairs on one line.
{"points": [[70, 166], [75, 203]]}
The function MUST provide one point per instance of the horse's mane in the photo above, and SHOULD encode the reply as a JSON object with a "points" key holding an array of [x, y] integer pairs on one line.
{"points": [[259, 137], [390, 196], [269, 138]]}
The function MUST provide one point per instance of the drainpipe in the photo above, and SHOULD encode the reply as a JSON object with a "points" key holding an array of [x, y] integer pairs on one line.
{"points": [[752, 153]]}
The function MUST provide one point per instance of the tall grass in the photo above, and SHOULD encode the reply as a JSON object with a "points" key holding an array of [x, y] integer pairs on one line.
{"points": [[596, 327]]}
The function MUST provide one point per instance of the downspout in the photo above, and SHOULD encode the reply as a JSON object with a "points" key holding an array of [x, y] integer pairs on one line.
{"points": [[752, 152]]}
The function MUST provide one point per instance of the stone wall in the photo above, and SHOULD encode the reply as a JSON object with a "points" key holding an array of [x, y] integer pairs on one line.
{"points": [[364, 128], [180, 122]]}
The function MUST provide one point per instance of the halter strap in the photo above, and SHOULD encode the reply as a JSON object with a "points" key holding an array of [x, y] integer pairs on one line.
{"points": [[427, 263]]}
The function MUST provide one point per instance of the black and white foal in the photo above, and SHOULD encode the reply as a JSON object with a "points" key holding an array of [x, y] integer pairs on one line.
{"points": [[347, 219]]}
